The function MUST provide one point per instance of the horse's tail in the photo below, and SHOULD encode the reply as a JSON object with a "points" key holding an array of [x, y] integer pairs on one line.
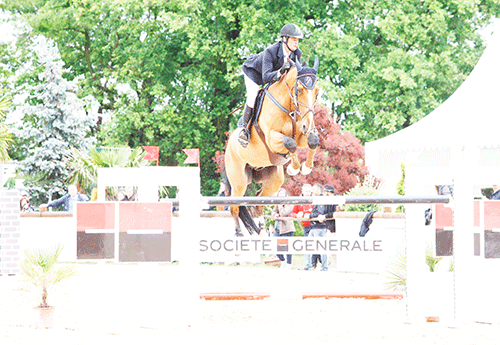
{"points": [[244, 213]]}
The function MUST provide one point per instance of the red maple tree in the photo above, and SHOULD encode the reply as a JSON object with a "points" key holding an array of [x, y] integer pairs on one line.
{"points": [[339, 160]]}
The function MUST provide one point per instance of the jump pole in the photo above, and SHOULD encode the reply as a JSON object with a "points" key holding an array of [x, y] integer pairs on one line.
{"points": [[319, 200]]}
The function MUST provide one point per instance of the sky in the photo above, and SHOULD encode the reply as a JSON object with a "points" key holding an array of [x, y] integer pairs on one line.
{"points": [[6, 29]]}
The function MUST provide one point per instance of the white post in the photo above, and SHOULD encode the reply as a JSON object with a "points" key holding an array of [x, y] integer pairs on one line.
{"points": [[464, 159], [415, 248], [186, 238]]}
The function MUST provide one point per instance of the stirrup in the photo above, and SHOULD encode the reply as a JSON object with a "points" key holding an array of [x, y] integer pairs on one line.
{"points": [[243, 137]]}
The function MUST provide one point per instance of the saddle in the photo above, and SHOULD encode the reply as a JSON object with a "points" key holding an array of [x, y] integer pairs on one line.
{"points": [[275, 158]]}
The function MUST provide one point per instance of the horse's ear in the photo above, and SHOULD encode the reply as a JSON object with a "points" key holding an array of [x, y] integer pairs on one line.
{"points": [[316, 63], [298, 65]]}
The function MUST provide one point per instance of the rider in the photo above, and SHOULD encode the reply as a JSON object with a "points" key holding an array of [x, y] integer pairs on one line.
{"points": [[268, 66]]}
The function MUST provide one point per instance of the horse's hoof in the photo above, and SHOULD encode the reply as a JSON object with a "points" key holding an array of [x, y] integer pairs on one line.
{"points": [[238, 233], [291, 171], [304, 170]]}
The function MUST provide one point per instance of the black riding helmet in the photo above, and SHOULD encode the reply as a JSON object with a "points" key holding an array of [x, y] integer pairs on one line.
{"points": [[291, 30]]}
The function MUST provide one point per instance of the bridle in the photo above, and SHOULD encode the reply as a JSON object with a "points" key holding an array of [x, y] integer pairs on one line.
{"points": [[294, 96]]}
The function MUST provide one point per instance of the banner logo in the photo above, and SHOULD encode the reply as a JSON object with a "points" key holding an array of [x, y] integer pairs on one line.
{"points": [[282, 245]]}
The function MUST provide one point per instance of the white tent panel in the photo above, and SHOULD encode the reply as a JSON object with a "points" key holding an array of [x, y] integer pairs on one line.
{"points": [[469, 117]]}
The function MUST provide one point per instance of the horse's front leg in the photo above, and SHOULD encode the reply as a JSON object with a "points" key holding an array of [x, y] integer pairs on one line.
{"points": [[281, 143], [312, 142]]}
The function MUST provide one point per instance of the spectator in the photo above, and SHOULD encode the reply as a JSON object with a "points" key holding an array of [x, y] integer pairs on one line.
{"points": [[130, 195], [317, 190], [67, 202], [284, 228], [220, 193], [24, 203], [319, 227], [496, 192], [300, 211], [120, 195], [303, 211]]}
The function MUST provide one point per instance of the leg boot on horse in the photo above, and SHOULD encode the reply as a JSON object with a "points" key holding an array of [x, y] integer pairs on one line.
{"points": [[244, 135]]}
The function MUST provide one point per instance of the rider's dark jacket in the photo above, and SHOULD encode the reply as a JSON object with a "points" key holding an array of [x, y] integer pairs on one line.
{"points": [[262, 67]]}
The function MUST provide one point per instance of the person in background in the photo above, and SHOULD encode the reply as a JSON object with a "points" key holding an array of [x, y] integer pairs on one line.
{"points": [[284, 228], [317, 190], [496, 192], [300, 211], [24, 203], [320, 226], [120, 195], [68, 201], [130, 195], [303, 211]]}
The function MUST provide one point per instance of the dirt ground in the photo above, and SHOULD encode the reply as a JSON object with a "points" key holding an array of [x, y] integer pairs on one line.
{"points": [[151, 303]]}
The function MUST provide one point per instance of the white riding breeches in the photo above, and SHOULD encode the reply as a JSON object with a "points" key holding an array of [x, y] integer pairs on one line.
{"points": [[252, 91]]}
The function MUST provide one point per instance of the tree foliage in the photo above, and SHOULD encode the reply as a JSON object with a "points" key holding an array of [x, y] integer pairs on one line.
{"points": [[339, 160], [389, 63], [5, 136], [167, 73]]}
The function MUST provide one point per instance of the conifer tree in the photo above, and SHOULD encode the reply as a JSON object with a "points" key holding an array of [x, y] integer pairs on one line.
{"points": [[51, 120]]}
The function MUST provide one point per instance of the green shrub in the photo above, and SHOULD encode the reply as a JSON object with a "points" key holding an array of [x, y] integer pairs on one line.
{"points": [[368, 187]]}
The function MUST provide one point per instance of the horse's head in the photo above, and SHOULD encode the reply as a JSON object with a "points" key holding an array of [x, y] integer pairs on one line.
{"points": [[304, 94]]}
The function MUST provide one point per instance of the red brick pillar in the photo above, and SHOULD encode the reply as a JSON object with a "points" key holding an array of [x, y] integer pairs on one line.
{"points": [[10, 231]]}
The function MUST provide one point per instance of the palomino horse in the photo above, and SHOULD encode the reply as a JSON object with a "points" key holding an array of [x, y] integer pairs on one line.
{"points": [[285, 124]]}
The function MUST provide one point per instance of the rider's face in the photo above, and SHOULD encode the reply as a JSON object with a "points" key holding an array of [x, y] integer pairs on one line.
{"points": [[293, 43]]}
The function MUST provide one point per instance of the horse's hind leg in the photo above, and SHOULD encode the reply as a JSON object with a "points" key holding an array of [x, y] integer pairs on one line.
{"points": [[239, 177], [272, 179]]}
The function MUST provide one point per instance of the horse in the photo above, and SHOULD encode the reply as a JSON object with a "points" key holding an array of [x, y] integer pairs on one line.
{"points": [[285, 123]]}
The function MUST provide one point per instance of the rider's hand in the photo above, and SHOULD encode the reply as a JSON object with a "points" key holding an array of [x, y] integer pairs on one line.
{"points": [[286, 66]]}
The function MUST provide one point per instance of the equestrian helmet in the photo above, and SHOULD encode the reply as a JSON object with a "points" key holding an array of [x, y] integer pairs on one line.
{"points": [[291, 30]]}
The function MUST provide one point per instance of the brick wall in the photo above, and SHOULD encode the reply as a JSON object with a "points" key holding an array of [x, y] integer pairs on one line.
{"points": [[10, 231]]}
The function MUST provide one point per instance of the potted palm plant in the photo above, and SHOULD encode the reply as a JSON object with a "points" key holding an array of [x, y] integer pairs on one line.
{"points": [[41, 272]]}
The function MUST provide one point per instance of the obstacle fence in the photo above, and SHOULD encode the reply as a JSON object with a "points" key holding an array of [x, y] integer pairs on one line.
{"points": [[187, 178], [338, 200]]}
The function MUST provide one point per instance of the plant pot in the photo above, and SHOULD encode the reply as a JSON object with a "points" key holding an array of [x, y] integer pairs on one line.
{"points": [[44, 317]]}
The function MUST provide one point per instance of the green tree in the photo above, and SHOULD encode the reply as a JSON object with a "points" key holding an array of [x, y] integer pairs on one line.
{"points": [[389, 63], [5, 136], [84, 164]]}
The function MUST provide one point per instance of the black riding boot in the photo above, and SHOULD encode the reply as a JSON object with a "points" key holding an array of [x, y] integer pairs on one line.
{"points": [[244, 135]]}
